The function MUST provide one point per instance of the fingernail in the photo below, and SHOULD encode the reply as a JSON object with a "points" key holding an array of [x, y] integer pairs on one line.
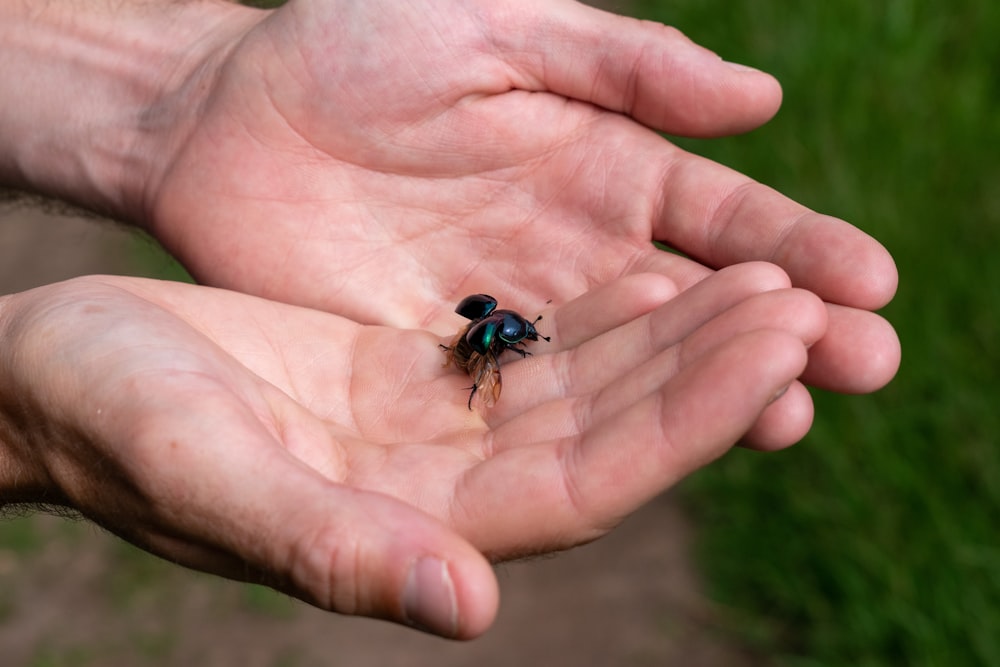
{"points": [[429, 598]]}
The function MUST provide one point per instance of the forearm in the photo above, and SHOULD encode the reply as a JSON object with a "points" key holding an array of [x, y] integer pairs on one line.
{"points": [[91, 93]]}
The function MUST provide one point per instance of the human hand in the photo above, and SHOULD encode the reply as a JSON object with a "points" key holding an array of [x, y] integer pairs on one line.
{"points": [[340, 463], [382, 160]]}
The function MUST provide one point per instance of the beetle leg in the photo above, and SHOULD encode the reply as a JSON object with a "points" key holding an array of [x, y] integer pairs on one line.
{"points": [[523, 353]]}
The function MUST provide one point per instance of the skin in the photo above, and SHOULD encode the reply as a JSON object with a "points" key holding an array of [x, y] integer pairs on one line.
{"points": [[471, 148], [503, 147], [273, 443], [508, 155]]}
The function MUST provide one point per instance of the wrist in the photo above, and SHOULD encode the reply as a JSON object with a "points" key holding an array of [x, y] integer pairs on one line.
{"points": [[100, 92]]}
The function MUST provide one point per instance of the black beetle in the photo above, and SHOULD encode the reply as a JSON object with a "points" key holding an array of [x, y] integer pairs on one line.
{"points": [[477, 348]]}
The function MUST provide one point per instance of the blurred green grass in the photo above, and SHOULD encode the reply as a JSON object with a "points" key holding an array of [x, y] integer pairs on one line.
{"points": [[874, 542]]}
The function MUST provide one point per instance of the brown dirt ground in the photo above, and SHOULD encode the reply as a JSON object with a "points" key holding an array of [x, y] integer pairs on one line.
{"points": [[72, 595]]}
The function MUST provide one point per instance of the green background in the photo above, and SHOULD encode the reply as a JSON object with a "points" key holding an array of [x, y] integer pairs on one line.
{"points": [[874, 542]]}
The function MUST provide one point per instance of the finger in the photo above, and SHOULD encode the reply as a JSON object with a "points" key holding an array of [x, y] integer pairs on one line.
{"points": [[262, 515], [589, 482], [606, 355], [720, 217], [793, 311], [788, 418], [369, 554], [782, 423], [860, 353], [646, 70], [733, 301], [693, 420], [607, 307]]}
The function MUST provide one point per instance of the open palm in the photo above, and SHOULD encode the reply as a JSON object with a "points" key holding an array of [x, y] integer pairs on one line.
{"points": [[382, 160], [265, 441]]}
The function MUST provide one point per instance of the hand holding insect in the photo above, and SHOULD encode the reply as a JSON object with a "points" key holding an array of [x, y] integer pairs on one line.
{"points": [[495, 153], [341, 463], [380, 217]]}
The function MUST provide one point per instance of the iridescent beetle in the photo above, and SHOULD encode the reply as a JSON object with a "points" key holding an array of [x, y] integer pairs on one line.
{"points": [[477, 348]]}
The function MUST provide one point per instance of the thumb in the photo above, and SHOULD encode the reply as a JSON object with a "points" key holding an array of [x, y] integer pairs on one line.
{"points": [[646, 70], [342, 549], [365, 553]]}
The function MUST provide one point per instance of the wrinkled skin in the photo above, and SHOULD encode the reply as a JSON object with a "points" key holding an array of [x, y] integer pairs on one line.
{"points": [[264, 441], [381, 160]]}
